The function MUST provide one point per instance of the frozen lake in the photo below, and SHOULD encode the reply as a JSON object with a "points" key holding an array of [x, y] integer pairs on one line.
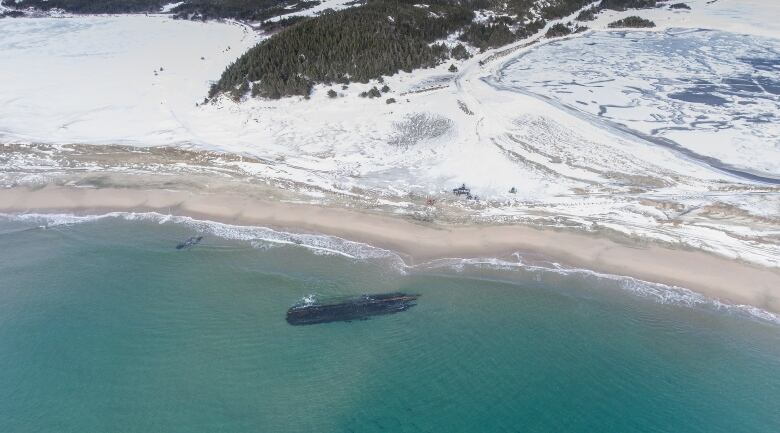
{"points": [[715, 94]]}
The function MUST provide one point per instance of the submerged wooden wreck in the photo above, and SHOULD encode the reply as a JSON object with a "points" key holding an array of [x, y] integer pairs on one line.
{"points": [[347, 309], [189, 243]]}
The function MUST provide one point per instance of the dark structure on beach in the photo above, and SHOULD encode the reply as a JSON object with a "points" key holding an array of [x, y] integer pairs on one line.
{"points": [[462, 190], [345, 310]]}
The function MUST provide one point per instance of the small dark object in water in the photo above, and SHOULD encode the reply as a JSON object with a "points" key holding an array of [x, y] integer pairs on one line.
{"points": [[361, 307], [189, 242]]}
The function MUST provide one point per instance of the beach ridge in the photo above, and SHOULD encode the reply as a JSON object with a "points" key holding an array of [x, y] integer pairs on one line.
{"points": [[726, 279]]}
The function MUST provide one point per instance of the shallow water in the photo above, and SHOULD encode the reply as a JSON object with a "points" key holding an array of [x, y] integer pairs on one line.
{"points": [[105, 326]]}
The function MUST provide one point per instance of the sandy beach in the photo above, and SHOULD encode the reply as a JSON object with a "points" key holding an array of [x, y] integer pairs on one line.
{"points": [[729, 280]]}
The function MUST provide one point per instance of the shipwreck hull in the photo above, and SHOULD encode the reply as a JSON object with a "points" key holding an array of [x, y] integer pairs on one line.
{"points": [[189, 243], [357, 308]]}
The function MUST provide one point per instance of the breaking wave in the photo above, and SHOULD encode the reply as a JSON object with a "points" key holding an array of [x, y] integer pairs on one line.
{"points": [[264, 238], [658, 292], [258, 237]]}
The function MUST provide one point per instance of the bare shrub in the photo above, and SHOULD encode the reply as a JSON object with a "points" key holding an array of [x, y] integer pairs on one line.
{"points": [[419, 126]]}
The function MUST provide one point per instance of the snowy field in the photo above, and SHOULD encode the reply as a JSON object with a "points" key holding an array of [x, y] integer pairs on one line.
{"points": [[323, 6], [140, 81], [109, 79], [713, 92]]}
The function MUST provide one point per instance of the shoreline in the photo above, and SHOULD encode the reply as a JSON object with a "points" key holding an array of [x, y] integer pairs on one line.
{"points": [[726, 279]]}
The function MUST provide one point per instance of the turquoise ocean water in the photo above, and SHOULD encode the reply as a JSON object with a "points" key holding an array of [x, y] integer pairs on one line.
{"points": [[106, 327]]}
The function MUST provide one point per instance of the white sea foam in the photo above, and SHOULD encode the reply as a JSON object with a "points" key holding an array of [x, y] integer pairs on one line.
{"points": [[259, 237], [263, 237], [309, 299], [661, 293]]}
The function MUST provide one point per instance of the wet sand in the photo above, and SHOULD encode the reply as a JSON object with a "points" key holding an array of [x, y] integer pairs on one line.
{"points": [[720, 277]]}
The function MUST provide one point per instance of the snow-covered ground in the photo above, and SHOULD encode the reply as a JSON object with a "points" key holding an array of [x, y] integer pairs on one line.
{"points": [[713, 92], [109, 79], [97, 80], [751, 17], [318, 9]]}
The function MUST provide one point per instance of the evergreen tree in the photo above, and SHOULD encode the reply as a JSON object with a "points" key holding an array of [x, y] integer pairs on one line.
{"points": [[485, 36], [459, 52], [558, 30], [632, 21]]}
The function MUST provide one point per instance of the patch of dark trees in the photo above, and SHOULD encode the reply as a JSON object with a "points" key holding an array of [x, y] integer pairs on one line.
{"points": [[561, 29], [588, 14], [382, 37], [358, 44], [631, 22], [459, 52], [553, 9], [562, 8], [558, 30], [485, 36], [623, 5], [11, 14], [530, 29], [680, 6], [496, 31]]}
